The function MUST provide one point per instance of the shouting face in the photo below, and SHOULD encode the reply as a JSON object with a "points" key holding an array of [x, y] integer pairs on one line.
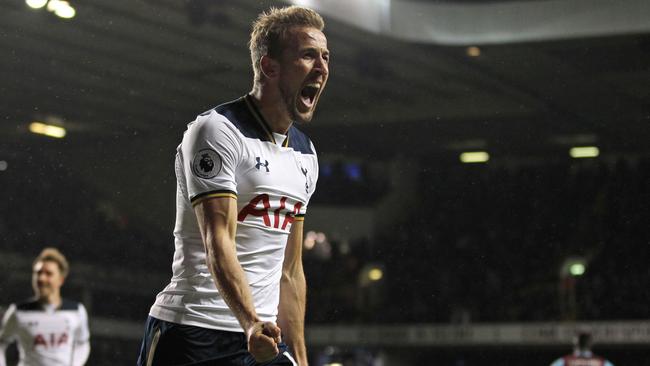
{"points": [[304, 68]]}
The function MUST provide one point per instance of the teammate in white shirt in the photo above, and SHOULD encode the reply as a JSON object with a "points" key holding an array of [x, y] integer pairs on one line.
{"points": [[49, 330], [245, 174]]}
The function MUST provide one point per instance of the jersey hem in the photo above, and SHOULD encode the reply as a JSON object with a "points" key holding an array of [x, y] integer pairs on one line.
{"points": [[179, 318]]}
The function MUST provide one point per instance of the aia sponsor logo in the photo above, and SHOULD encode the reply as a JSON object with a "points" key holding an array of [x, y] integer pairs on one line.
{"points": [[50, 340], [277, 218]]}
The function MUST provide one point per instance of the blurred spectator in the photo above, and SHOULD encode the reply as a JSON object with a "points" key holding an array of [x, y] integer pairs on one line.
{"points": [[582, 355]]}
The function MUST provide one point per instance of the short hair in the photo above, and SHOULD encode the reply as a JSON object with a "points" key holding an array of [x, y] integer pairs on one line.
{"points": [[53, 255], [270, 30]]}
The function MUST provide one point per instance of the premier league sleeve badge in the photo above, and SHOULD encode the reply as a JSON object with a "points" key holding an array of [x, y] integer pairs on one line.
{"points": [[206, 164]]}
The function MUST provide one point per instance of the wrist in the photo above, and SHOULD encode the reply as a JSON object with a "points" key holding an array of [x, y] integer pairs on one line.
{"points": [[249, 325]]}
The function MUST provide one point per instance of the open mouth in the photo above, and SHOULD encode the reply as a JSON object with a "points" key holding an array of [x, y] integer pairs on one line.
{"points": [[308, 94]]}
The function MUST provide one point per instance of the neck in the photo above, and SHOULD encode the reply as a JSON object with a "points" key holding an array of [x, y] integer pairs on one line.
{"points": [[272, 107], [52, 299]]}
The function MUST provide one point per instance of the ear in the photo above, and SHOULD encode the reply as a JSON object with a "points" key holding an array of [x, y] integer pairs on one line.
{"points": [[270, 67]]}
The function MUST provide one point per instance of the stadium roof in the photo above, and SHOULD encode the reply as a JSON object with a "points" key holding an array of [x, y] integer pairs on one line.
{"points": [[143, 69]]}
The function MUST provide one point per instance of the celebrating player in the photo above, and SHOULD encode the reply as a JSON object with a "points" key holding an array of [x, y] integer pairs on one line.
{"points": [[245, 175], [49, 330]]}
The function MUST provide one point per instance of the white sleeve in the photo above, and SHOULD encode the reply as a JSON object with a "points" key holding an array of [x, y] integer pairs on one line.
{"points": [[7, 332], [211, 150], [558, 362], [81, 346]]}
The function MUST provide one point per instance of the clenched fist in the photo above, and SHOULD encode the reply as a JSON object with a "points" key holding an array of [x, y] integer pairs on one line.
{"points": [[263, 339]]}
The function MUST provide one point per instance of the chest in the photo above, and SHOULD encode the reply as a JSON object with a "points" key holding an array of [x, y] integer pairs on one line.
{"points": [[47, 330], [277, 171], [274, 184]]}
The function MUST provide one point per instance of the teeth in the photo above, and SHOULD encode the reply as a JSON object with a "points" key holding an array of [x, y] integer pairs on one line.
{"points": [[314, 85]]}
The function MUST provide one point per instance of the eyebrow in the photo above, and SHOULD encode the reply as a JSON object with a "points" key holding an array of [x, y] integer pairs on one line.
{"points": [[315, 49]]}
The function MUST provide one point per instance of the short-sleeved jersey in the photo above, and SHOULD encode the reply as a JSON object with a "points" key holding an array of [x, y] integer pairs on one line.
{"points": [[46, 337], [230, 151]]}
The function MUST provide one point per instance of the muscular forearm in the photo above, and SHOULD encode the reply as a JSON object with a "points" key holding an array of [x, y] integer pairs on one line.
{"points": [[291, 317], [217, 219], [217, 222], [231, 280]]}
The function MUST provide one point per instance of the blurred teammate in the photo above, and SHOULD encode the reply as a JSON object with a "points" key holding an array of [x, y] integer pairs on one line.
{"points": [[245, 174], [582, 355], [49, 330]]}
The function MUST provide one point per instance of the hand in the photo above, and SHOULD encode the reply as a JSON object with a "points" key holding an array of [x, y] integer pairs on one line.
{"points": [[263, 339]]}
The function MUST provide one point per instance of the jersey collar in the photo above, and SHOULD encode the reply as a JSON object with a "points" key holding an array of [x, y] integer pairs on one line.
{"points": [[260, 119]]}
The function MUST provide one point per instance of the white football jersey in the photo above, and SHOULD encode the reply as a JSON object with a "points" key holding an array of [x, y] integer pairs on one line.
{"points": [[230, 151], [47, 336]]}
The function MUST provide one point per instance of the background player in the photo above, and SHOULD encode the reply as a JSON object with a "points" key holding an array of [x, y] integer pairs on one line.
{"points": [[582, 355], [49, 330], [245, 175]]}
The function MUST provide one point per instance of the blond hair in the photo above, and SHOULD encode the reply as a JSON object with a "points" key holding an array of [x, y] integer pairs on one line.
{"points": [[54, 255], [270, 30]]}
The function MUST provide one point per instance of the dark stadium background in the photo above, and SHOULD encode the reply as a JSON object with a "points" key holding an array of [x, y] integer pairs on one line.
{"points": [[415, 258]]}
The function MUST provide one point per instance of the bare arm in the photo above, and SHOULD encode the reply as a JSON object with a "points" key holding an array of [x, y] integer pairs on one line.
{"points": [[217, 219], [293, 291]]}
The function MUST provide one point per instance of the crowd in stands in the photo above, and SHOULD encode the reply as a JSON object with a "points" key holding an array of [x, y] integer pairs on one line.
{"points": [[487, 244]]}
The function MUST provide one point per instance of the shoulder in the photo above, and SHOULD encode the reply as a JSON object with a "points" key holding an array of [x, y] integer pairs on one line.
{"points": [[235, 112], [70, 305], [9, 312], [300, 142], [210, 123], [238, 115], [558, 362], [211, 130], [29, 305]]}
